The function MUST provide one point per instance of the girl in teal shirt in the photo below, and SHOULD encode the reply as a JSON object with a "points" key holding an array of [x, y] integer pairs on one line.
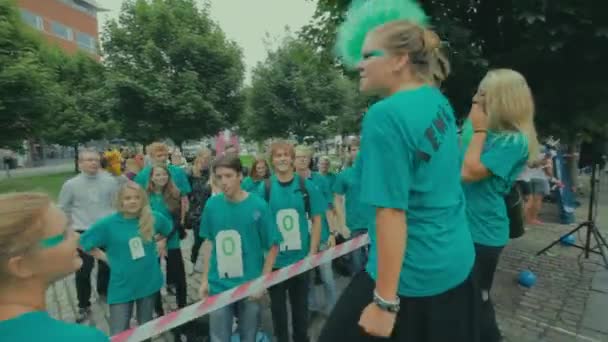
{"points": [[165, 199], [37, 248], [130, 237], [259, 172], [500, 140]]}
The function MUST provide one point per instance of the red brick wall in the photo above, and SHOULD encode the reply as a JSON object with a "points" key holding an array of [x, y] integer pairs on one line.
{"points": [[55, 10]]}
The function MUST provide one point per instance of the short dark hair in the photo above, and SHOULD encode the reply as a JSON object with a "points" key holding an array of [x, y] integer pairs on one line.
{"points": [[228, 161]]}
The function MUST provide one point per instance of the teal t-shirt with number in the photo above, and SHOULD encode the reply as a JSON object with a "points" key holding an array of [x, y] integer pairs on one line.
{"points": [[359, 215], [178, 176], [134, 268], [248, 184], [323, 185], [288, 213], [505, 156], [38, 326], [241, 233], [157, 203], [410, 160]]}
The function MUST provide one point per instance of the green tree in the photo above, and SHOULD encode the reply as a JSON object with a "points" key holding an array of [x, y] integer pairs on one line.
{"points": [[295, 92], [81, 114], [172, 71], [27, 90]]}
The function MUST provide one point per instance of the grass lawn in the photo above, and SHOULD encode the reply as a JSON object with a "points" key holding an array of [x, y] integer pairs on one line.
{"points": [[50, 184]]}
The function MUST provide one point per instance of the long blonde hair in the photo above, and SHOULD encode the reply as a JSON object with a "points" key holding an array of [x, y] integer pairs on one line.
{"points": [[203, 156], [146, 219], [21, 226], [508, 101]]}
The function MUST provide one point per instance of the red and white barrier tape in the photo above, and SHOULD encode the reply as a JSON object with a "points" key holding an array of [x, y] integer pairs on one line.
{"points": [[185, 315]]}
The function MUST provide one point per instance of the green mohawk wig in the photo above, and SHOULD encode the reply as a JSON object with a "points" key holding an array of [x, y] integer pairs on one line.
{"points": [[364, 16]]}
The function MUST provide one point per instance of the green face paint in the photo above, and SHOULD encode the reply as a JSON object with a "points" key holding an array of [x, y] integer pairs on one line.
{"points": [[373, 53], [53, 241]]}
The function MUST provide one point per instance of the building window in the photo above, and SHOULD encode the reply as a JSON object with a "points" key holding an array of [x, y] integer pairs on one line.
{"points": [[86, 42], [62, 31], [32, 20]]}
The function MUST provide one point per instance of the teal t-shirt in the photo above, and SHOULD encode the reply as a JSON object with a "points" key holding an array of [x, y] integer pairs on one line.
{"points": [[248, 184], [134, 268], [505, 156], [178, 175], [240, 233], [331, 179], [410, 160], [359, 216], [157, 203], [322, 184], [289, 215], [38, 326]]}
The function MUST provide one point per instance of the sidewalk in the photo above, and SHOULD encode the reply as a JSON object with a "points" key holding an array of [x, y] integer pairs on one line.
{"points": [[55, 167]]}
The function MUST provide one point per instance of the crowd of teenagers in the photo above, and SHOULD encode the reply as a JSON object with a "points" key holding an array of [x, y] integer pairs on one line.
{"points": [[431, 200]]}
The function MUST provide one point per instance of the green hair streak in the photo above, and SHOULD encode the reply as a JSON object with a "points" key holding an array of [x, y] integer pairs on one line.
{"points": [[364, 16]]}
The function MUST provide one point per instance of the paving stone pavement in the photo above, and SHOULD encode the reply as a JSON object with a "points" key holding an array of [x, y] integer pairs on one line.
{"points": [[568, 300]]}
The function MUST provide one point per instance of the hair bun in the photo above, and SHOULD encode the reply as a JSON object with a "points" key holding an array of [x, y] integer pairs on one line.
{"points": [[431, 40]]}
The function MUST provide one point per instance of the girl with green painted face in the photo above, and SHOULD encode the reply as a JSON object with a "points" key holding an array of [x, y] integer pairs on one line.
{"points": [[418, 284], [36, 249]]}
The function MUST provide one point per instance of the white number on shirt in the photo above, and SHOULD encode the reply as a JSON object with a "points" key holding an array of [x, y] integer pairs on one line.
{"points": [[288, 221]]}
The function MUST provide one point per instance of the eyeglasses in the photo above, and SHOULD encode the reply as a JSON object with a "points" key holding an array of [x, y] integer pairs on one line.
{"points": [[53, 241]]}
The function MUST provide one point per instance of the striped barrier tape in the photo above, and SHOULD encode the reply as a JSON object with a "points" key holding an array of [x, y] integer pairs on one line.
{"points": [[201, 308]]}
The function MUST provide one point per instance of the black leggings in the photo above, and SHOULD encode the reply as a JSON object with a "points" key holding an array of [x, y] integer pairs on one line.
{"points": [[450, 316], [175, 275], [486, 262]]}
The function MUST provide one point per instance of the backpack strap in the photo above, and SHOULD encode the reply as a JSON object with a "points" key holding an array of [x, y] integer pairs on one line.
{"points": [[305, 196], [267, 187]]}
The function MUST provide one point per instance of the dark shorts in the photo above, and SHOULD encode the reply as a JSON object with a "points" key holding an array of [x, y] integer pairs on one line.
{"points": [[524, 187], [450, 316]]}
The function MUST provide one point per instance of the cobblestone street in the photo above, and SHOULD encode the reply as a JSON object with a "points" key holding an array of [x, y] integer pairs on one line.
{"points": [[568, 302]]}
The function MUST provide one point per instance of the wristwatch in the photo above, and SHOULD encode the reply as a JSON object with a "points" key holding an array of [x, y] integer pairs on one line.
{"points": [[385, 305]]}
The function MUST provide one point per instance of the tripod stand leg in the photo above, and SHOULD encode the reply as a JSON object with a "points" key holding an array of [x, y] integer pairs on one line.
{"points": [[584, 224], [601, 243]]}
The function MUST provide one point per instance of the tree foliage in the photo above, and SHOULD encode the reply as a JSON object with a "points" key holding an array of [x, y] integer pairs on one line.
{"points": [[172, 71], [294, 92], [556, 44], [27, 91]]}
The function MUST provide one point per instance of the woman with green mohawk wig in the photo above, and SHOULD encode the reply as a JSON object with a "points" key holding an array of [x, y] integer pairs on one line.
{"points": [[418, 283]]}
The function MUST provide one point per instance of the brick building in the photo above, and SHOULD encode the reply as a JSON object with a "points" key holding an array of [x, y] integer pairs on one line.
{"points": [[72, 24]]}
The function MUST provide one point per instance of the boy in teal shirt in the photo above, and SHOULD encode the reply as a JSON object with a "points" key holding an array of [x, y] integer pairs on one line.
{"points": [[290, 197], [353, 214], [238, 233], [328, 236], [130, 244]]}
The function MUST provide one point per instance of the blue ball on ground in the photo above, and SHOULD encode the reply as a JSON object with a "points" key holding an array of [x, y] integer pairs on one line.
{"points": [[527, 278], [568, 240]]}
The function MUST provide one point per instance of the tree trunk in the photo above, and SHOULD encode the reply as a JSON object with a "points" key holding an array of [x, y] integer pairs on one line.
{"points": [[76, 168]]}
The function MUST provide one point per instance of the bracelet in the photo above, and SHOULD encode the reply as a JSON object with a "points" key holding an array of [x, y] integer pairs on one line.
{"points": [[389, 302], [480, 131], [389, 306]]}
